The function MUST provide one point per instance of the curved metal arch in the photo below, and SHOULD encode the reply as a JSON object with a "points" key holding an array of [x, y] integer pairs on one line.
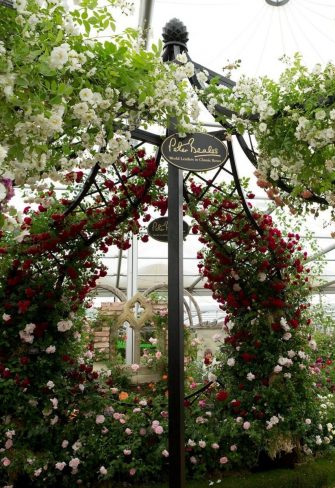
{"points": [[115, 291], [163, 286]]}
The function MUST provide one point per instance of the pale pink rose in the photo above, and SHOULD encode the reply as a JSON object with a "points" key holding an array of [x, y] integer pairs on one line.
{"points": [[114, 390], [89, 354], [64, 325], [54, 420], [50, 349], [99, 419], [135, 367], [37, 472], [122, 421], [117, 416], [165, 453], [74, 463], [127, 452], [6, 317], [132, 471], [54, 402], [159, 430], [60, 466], [128, 431], [103, 470], [153, 340], [104, 430], [215, 445], [246, 425], [9, 443], [193, 460], [10, 434], [155, 423], [65, 443], [158, 354], [223, 460], [5, 461], [142, 431], [233, 447]]}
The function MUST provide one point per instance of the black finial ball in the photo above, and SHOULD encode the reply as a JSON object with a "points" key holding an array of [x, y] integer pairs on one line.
{"points": [[175, 30]]}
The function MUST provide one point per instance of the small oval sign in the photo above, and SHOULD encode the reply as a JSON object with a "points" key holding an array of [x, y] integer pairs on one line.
{"points": [[195, 152], [158, 229]]}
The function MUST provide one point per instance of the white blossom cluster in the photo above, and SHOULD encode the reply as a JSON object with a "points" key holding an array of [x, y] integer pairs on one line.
{"points": [[72, 104], [290, 111], [274, 420]]}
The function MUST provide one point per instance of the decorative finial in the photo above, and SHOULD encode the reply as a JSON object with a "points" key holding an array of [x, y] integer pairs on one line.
{"points": [[175, 31]]}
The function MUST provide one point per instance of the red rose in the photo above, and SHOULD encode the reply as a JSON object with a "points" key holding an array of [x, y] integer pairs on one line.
{"points": [[222, 395], [235, 403], [24, 360], [23, 305]]}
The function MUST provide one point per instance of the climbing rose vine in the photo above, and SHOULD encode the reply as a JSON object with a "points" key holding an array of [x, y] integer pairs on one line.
{"points": [[293, 121]]}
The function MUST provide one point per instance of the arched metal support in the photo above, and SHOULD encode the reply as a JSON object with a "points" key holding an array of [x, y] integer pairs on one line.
{"points": [[164, 286], [114, 291]]}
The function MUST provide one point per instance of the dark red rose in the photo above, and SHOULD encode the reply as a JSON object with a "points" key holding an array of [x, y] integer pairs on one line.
{"points": [[222, 396]]}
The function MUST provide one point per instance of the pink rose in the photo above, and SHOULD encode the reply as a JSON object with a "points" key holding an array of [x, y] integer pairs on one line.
{"points": [[223, 460], [5, 461], [159, 430], [74, 463]]}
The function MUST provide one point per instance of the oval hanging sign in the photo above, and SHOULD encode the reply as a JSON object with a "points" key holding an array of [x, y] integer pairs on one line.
{"points": [[158, 229], [195, 152]]}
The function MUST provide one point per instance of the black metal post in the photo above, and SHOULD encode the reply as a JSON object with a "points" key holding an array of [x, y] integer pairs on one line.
{"points": [[176, 330], [175, 37]]}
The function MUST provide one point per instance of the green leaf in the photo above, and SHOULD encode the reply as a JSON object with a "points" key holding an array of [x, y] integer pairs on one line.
{"points": [[59, 36], [87, 27], [45, 69]]}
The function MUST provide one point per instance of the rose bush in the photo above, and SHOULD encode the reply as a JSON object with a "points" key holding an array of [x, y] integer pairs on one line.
{"points": [[261, 281]]}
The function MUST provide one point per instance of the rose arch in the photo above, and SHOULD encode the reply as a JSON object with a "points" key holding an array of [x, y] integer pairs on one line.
{"points": [[50, 262]]}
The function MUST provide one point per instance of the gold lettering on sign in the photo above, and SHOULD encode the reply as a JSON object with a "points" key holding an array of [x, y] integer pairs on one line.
{"points": [[188, 147], [158, 227]]}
